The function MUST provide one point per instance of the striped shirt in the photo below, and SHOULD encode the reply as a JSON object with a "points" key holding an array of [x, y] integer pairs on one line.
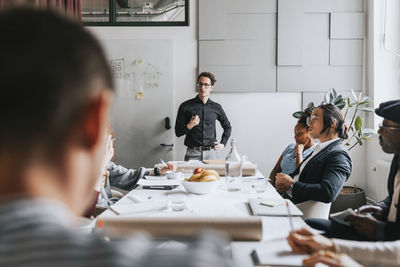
{"points": [[38, 232]]}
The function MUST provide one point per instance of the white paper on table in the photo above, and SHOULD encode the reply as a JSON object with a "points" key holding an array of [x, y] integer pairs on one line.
{"points": [[153, 177], [139, 207], [158, 182], [277, 253], [340, 216], [265, 209]]}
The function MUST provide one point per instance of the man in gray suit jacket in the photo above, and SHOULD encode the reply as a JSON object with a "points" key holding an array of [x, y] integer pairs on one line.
{"points": [[382, 220]]}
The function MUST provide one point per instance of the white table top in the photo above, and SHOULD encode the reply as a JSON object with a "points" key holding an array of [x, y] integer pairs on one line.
{"points": [[225, 204]]}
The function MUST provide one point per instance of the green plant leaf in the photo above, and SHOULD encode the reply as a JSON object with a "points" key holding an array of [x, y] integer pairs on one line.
{"points": [[347, 144], [354, 95], [311, 105], [334, 94], [358, 123], [338, 99], [366, 99], [298, 114], [341, 105], [326, 97], [367, 109]]}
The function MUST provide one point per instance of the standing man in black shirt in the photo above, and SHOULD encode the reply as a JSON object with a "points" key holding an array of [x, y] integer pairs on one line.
{"points": [[196, 118]]}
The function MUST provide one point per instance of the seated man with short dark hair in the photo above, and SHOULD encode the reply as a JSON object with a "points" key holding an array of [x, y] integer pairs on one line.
{"points": [[57, 91]]}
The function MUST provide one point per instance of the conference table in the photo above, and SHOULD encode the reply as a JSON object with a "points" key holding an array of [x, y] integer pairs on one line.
{"points": [[217, 204]]}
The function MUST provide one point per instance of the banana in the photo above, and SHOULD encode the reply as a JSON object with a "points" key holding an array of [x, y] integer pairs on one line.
{"points": [[208, 178], [211, 172], [195, 176]]}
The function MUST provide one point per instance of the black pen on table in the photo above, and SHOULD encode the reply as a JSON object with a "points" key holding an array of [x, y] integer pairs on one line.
{"points": [[289, 216]]}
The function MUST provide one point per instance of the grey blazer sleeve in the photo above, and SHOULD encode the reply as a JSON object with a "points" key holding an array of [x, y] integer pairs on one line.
{"points": [[124, 178]]}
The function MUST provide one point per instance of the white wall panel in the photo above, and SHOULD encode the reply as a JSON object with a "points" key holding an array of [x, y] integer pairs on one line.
{"points": [[211, 26], [316, 39], [319, 78], [250, 26], [250, 6], [347, 25], [243, 78], [290, 32], [346, 53], [347, 5], [327, 6]]}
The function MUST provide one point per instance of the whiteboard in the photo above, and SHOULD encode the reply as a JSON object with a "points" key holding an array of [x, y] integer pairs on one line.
{"points": [[143, 72]]}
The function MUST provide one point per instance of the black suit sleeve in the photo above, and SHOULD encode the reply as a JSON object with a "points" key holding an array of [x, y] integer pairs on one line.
{"points": [[180, 124], [226, 125], [392, 231], [334, 175], [385, 204]]}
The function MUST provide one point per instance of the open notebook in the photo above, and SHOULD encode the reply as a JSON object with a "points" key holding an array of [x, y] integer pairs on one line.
{"points": [[272, 207], [277, 253]]}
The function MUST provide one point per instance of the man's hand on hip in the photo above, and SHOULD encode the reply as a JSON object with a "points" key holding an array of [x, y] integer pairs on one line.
{"points": [[218, 146]]}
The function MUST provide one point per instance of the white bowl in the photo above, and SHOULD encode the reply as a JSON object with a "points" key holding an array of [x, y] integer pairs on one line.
{"points": [[174, 175], [200, 188]]}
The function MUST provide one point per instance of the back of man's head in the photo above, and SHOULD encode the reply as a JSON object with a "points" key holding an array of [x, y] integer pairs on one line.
{"points": [[48, 67]]}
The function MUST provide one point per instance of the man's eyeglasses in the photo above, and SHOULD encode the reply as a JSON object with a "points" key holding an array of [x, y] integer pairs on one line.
{"points": [[206, 85], [311, 119], [381, 128]]}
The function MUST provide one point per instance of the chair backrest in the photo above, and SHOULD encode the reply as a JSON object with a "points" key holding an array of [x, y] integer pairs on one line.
{"points": [[314, 209]]}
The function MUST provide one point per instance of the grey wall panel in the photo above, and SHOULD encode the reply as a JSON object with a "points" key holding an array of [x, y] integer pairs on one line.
{"points": [[250, 6], [319, 78], [210, 24], [318, 97], [347, 5], [316, 39], [346, 53], [250, 26], [327, 6], [237, 52], [347, 25], [229, 52], [234, 79], [290, 32]]}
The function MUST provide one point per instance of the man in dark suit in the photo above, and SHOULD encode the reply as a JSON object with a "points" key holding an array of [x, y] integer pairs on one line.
{"points": [[382, 220]]}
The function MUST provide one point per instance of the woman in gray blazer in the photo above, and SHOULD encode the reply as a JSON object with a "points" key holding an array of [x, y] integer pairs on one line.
{"points": [[321, 175]]}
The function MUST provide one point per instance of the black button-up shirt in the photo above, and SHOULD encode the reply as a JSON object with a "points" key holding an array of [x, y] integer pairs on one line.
{"points": [[203, 134]]}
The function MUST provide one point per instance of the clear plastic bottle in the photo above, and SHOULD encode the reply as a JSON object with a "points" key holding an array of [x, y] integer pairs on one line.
{"points": [[233, 164]]}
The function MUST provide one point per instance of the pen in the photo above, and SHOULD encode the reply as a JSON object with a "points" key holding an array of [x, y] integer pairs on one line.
{"points": [[163, 162], [290, 216], [265, 204]]}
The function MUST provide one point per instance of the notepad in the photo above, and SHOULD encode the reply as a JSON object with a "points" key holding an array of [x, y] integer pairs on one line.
{"points": [[277, 253], [158, 182], [139, 207], [272, 207], [153, 177]]}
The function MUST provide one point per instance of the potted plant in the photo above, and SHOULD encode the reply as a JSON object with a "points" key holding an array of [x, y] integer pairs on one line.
{"points": [[349, 196]]}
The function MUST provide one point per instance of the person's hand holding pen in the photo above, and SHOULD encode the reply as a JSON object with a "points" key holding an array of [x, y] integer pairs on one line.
{"points": [[303, 240], [194, 121]]}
